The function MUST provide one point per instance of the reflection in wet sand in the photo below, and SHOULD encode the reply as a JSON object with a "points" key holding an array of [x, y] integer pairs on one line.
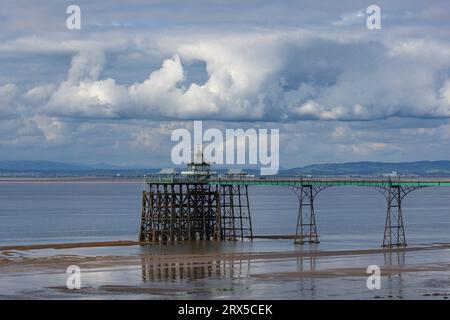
{"points": [[154, 270], [394, 258], [307, 285], [394, 281], [307, 263]]}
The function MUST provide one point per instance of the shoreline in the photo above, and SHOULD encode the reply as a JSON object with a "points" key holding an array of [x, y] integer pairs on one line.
{"points": [[80, 179], [73, 245], [5, 250], [123, 243], [111, 243]]}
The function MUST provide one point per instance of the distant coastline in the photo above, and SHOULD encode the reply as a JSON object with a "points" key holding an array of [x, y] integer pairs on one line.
{"points": [[61, 171], [73, 179]]}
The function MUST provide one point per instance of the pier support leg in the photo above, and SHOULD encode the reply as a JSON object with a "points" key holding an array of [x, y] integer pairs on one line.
{"points": [[394, 231], [145, 223], [306, 231], [236, 222]]}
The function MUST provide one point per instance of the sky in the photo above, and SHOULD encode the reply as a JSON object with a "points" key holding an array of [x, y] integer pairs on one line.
{"points": [[116, 89]]}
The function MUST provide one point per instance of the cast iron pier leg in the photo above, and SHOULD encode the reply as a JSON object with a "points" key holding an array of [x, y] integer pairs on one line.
{"points": [[235, 212], [394, 231], [306, 231]]}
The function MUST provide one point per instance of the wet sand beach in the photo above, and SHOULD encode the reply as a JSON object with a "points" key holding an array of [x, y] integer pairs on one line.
{"points": [[128, 270]]}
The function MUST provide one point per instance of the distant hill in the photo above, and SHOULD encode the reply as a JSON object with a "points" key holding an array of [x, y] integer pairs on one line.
{"points": [[40, 166], [421, 168], [50, 168], [61, 169]]}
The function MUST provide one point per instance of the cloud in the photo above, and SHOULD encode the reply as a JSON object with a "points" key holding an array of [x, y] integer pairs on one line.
{"points": [[299, 76], [133, 73], [52, 128], [444, 94], [40, 94], [8, 93], [350, 18], [231, 91]]}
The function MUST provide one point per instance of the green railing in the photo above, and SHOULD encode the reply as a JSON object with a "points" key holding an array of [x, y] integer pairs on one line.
{"points": [[299, 181], [375, 182]]}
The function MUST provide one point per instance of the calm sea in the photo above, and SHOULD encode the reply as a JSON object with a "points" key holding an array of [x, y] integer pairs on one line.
{"points": [[38, 212]]}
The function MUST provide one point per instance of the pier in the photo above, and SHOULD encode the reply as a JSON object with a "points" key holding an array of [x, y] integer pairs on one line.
{"points": [[198, 204]]}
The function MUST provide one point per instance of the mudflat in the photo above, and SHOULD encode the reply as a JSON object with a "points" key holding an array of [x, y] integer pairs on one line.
{"points": [[127, 269]]}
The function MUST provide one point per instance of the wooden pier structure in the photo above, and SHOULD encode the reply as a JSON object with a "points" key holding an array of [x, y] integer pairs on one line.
{"points": [[186, 207]]}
